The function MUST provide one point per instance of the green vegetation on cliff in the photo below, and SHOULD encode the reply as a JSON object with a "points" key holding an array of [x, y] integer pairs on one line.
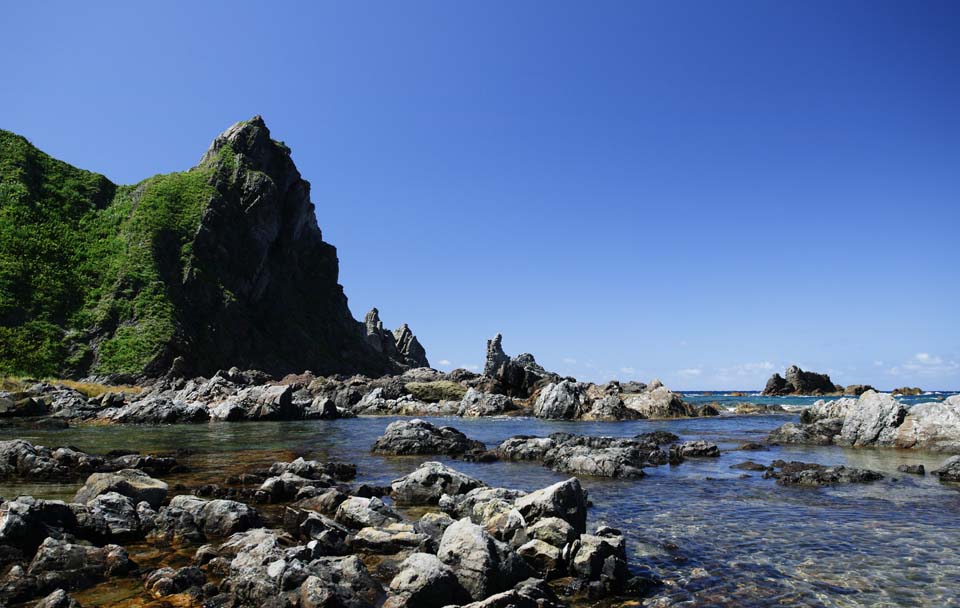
{"points": [[85, 261]]}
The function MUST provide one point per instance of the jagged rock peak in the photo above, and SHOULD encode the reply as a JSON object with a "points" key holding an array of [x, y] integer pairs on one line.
{"points": [[799, 382], [518, 376], [400, 345]]}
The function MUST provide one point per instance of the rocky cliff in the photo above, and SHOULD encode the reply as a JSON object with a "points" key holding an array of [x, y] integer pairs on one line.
{"points": [[222, 265]]}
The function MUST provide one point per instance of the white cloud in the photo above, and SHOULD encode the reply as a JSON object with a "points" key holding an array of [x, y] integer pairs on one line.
{"points": [[925, 364], [690, 371], [443, 362]]}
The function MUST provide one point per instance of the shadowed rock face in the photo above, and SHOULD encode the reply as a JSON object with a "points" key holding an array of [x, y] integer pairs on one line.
{"points": [[262, 288]]}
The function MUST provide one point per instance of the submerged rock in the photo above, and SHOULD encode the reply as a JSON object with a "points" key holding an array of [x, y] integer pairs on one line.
{"points": [[811, 474]]}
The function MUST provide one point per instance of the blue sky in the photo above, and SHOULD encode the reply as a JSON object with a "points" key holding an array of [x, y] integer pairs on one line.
{"points": [[703, 192]]}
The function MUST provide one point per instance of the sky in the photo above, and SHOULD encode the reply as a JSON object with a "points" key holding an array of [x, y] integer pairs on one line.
{"points": [[703, 192]]}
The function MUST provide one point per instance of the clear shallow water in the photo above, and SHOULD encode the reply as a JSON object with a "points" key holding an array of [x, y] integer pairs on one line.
{"points": [[716, 539]]}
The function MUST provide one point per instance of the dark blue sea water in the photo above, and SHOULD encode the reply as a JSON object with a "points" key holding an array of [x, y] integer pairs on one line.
{"points": [[716, 537]]}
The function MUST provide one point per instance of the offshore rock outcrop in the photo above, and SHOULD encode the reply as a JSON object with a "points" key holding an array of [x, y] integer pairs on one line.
{"points": [[799, 382]]}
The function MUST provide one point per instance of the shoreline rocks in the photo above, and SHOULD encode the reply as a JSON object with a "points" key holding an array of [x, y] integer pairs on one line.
{"points": [[877, 420], [420, 437]]}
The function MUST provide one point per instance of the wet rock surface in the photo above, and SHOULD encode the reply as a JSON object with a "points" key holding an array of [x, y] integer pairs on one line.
{"points": [[421, 437]]}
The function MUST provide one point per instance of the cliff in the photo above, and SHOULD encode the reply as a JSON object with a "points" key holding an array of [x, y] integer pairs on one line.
{"points": [[222, 265]]}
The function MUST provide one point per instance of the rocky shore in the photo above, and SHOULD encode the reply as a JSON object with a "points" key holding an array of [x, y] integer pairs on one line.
{"points": [[310, 538]]}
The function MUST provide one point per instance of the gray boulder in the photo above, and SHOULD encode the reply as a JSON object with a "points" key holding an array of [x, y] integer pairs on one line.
{"points": [[477, 403], [424, 582], [657, 401], [58, 599], [129, 482], [357, 512], [524, 447], [949, 470], [564, 499], [482, 564], [561, 401], [420, 437], [932, 426], [429, 482], [874, 421]]}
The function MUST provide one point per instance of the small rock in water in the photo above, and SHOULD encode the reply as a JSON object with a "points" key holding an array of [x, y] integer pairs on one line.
{"points": [[912, 469]]}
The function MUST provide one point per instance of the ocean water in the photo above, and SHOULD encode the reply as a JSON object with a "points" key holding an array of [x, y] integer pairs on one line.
{"points": [[715, 535]]}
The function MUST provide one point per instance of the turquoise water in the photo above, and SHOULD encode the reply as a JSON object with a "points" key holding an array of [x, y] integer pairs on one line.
{"points": [[715, 537]]}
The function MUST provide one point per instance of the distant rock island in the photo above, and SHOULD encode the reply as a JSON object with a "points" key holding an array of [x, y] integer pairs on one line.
{"points": [[222, 265], [799, 382]]}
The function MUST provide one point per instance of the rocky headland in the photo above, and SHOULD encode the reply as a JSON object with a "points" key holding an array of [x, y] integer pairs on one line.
{"points": [[800, 382]]}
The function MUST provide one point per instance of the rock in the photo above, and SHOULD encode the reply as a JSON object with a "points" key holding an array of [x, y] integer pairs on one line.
{"points": [[821, 432], [561, 401], [949, 470], [438, 390], [420, 437], [857, 389], [410, 349], [757, 408], [120, 514], [59, 564], [314, 470], [390, 539], [57, 599], [579, 456], [167, 581], [544, 558], [748, 465], [325, 502], [799, 382], [23, 407], [429, 482], [874, 421], [531, 593], [564, 499], [190, 518], [476, 404], [433, 524], [906, 390], [826, 410], [698, 449], [609, 407], [912, 469], [601, 557], [482, 565], [129, 482], [811, 474], [519, 376], [933, 426], [657, 401], [424, 582], [524, 447], [156, 410], [553, 530], [286, 486], [356, 512]]}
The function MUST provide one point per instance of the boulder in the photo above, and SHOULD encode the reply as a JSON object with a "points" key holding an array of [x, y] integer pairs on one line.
{"points": [[600, 557], [697, 449], [429, 482], [433, 524], [389, 539], [657, 401], [553, 530], [482, 565], [933, 426], [167, 581], [190, 518], [564, 499], [874, 421], [812, 474], [129, 482], [476, 404], [544, 558], [119, 513], [620, 459], [356, 512], [420, 437], [799, 382], [59, 564], [424, 582], [949, 470], [561, 401], [518, 376], [821, 432], [58, 599], [524, 447]]}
